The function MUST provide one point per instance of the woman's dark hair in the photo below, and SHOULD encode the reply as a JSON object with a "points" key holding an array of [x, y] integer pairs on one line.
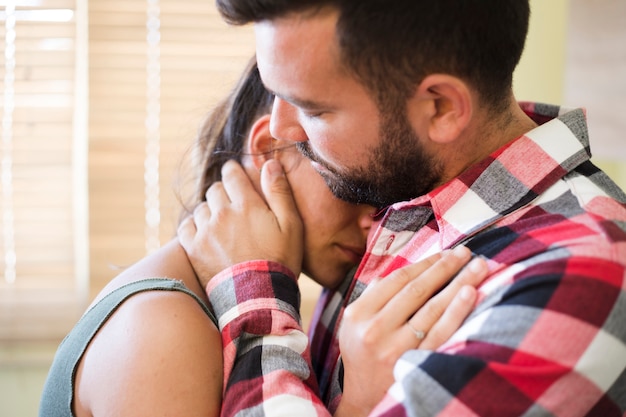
{"points": [[391, 46], [222, 136], [224, 132]]}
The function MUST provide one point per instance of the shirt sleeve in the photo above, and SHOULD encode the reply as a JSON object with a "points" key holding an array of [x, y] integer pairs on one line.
{"points": [[267, 364], [546, 341]]}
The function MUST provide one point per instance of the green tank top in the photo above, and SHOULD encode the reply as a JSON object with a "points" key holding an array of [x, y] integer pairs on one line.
{"points": [[58, 391]]}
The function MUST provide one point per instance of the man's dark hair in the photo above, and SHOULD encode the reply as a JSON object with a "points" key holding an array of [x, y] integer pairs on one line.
{"points": [[391, 46]]}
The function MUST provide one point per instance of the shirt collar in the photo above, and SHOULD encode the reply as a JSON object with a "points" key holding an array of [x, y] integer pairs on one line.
{"points": [[511, 177]]}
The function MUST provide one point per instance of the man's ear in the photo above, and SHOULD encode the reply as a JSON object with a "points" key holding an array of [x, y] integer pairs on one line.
{"points": [[443, 107], [259, 145]]}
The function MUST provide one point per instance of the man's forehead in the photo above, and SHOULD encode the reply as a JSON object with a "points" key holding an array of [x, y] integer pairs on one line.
{"points": [[290, 57]]}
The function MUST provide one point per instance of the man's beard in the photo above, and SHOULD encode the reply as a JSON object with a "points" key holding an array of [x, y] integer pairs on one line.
{"points": [[398, 169]]}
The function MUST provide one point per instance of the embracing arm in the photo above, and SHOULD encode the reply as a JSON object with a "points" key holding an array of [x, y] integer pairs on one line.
{"points": [[256, 301], [543, 342], [400, 313], [266, 357]]}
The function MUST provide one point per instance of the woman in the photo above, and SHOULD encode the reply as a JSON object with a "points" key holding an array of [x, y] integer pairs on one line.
{"points": [[335, 232], [150, 346]]}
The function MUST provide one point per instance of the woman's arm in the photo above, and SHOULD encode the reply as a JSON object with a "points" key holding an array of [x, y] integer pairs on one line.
{"points": [[159, 354]]}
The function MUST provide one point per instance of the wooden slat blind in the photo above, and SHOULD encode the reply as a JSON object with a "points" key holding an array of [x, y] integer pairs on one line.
{"points": [[38, 197], [200, 58]]}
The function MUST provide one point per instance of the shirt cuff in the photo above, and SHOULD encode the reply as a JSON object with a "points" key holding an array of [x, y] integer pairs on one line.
{"points": [[253, 286]]}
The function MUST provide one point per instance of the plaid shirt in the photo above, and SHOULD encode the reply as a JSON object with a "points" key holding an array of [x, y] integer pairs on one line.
{"points": [[547, 336]]}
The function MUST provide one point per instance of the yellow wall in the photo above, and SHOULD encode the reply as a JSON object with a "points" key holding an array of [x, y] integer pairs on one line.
{"points": [[541, 72], [539, 76]]}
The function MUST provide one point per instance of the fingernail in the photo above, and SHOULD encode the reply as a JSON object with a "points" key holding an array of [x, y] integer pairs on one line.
{"points": [[466, 292], [477, 265], [460, 252], [274, 168]]}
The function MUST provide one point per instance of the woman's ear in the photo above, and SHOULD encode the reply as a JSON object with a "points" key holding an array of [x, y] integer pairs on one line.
{"points": [[259, 144], [443, 104]]}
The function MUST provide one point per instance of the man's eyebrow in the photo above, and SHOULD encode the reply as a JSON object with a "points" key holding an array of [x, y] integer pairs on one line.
{"points": [[299, 102]]}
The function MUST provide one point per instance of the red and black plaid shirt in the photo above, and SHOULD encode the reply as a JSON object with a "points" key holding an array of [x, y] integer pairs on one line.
{"points": [[547, 336]]}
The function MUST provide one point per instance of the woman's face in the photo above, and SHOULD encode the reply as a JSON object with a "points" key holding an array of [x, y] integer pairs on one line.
{"points": [[335, 232]]}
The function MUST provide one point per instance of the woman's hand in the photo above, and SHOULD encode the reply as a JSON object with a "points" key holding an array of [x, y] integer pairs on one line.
{"points": [[400, 313], [236, 224]]}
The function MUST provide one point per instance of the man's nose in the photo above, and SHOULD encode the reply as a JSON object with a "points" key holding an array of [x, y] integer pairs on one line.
{"points": [[284, 122]]}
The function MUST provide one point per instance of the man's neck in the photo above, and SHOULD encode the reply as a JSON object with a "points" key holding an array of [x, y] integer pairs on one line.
{"points": [[487, 133]]}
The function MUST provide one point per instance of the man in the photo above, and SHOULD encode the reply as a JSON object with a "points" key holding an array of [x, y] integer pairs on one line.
{"points": [[408, 106]]}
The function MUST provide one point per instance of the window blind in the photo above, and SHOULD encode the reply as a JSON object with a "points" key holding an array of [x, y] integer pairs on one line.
{"points": [[42, 197], [100, 105], [199, 59]]}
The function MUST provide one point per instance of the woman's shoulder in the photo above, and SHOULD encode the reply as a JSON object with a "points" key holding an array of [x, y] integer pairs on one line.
{"points": [[143, 312], [153, 345]]}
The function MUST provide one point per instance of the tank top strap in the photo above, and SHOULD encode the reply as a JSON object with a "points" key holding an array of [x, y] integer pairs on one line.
{"points": [[59, 387]]}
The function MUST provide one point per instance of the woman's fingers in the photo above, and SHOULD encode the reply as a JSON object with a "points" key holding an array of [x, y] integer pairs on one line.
{"points": [[452, 319], [379, 326], [435, 309], [421, 284], [235, 224], [381, 290]]}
